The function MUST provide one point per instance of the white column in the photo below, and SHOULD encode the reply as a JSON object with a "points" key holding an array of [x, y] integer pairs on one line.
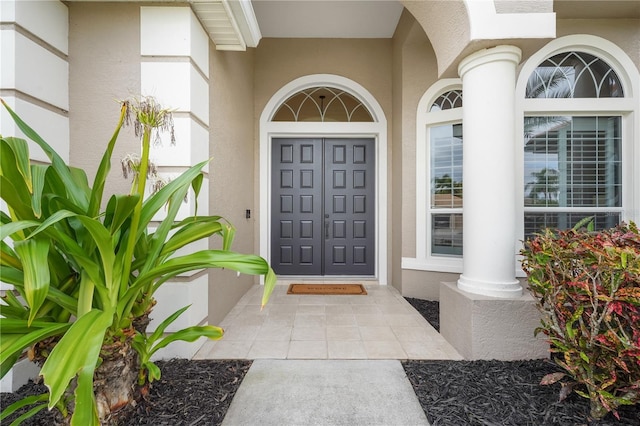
{"points": [[488, 82]]}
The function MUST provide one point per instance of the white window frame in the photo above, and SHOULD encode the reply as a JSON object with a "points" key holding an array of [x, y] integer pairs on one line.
{"points": [[627, 108], [424, 259]]}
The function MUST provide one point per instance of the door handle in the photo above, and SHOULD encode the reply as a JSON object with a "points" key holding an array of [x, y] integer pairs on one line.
{"points": [[326, 229]]}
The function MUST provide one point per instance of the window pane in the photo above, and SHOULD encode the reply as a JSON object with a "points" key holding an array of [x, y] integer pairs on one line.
{"points": [[536, 222], [449, 100], [574, 75], [572, 162], [446, 166], [446, 234]]}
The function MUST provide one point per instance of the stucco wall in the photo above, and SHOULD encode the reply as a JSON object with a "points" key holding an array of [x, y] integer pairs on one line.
{"points": [[232, 168], [419, 72], [425, 284], [415, 70], [447, 26], [395, 178], [104, 66], [365, 61]]}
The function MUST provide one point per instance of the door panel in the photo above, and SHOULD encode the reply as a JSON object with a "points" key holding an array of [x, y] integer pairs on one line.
{"points": [[296, 225], [349, 207], [323, 207]]}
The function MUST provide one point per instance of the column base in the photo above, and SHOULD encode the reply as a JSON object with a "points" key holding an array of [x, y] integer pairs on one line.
{"points": [[482, 327], [507, 289]]}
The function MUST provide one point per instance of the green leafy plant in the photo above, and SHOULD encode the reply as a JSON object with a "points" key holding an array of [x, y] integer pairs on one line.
{"points": [[85, 276], [587, 287]]}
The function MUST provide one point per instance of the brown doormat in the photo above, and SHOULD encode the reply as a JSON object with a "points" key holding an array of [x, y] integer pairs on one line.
{"points": [[350, 289]]}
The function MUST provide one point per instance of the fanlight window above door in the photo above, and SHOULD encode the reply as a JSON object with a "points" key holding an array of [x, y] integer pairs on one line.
{"points": [[574, 75], [323, 104]]}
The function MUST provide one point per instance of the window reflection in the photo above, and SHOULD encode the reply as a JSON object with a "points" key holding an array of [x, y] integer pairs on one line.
{"points": [[572, 163], [448, 100], [446, 189], [574, 75]]}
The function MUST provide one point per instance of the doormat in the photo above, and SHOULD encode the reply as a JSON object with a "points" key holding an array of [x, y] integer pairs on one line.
{"points": [[349, 289]]}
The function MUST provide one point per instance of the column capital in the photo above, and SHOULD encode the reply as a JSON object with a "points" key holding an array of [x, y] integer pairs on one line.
{"points": [[493, 54]]}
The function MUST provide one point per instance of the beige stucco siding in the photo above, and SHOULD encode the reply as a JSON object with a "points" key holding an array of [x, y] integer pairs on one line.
{"points": [[414, 70], [447, 26], [425, 284], [104, 67], [231, 171]]}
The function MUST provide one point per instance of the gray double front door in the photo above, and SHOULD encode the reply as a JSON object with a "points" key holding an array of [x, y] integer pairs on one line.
{"points": [[323, 206]]}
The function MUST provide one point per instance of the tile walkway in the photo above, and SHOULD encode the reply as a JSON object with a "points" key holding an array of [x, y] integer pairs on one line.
{"points": [[380, 325]]}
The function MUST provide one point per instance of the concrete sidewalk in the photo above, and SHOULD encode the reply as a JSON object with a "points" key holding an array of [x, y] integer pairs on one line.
{"points": [[325, 393]]}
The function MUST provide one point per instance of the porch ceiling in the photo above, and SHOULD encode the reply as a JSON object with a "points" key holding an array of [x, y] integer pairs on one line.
{"points": [[238, 24], [327, 18]]}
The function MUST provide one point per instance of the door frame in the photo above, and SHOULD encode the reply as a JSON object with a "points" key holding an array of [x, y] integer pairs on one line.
{"points": [[376, 130]]}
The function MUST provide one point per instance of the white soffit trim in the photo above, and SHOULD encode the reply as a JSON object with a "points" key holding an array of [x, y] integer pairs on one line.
{"points": [[231, 25], [247, 22]]}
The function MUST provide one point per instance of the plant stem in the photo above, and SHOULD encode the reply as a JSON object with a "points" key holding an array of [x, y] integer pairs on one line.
{"points": [[135, 220]]}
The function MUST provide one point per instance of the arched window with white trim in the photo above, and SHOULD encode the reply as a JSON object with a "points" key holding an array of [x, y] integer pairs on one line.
{"points": [[445, 179], [578, 155], [439, 179]]}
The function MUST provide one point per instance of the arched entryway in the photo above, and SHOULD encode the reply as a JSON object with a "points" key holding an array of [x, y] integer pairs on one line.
{"points": [[327, 115]]}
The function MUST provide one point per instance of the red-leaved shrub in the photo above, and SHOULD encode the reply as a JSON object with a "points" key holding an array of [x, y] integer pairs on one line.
{"points": [[587, 287]]}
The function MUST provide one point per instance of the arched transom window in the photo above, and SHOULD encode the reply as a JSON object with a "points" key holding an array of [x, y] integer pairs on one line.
{"points": [[573, 153], [448, 100], [323, 104], [574, 75]]}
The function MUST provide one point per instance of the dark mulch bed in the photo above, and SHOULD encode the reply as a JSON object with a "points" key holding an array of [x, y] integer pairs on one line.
{"points": [[496, 392], [189, 393], [500, 393], [430, 310], [452, 393]]}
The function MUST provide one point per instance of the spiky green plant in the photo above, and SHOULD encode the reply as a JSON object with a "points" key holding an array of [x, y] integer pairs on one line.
{"points": [[84, 274]]}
